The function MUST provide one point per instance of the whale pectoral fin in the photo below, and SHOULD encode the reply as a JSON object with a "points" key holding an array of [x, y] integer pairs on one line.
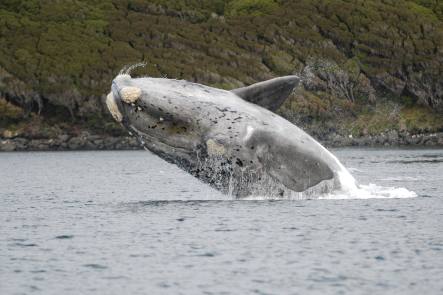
{"points": [[296, 167], [269, 94]]}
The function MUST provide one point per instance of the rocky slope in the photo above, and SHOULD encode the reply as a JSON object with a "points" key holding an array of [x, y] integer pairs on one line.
{"points": [[370, 66]]}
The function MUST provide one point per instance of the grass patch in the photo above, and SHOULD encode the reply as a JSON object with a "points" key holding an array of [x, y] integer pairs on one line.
{"points": [[9, 113], [251, 7]]}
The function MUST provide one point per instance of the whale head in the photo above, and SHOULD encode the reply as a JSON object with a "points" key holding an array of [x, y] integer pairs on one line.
{"points": [[159, 113], [220, 136]]}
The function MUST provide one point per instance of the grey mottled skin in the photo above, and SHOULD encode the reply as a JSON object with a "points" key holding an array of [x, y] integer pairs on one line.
{"points": [[238, 147]]}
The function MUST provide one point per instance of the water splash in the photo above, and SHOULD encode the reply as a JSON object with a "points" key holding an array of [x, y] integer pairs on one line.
{"points": [[371, 191], [126, 70], [349, 189]]}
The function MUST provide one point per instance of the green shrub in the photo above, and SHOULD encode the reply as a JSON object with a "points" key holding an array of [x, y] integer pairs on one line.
{"points": [[68, 52], [251, 7]]}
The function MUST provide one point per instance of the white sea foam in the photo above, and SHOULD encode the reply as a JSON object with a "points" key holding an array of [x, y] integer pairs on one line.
{"points": [[349, 189], [371, 191], [401, 178]]}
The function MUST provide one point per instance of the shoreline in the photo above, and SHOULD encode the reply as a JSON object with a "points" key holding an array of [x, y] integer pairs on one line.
{"points": [[86, 141], [387, 139], [69, 143]]}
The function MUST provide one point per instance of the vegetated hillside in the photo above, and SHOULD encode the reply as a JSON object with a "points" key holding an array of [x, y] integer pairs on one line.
{"points": [[370, 65]]}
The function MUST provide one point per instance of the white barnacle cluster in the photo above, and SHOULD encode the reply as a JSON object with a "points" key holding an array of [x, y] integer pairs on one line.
{"points": [[130, 94]]}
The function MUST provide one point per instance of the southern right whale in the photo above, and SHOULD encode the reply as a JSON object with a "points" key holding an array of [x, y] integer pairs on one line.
{"points": [[231, 140]]}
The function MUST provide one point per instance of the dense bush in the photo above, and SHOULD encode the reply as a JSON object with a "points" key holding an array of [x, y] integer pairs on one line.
{"points": [[251, 7]]}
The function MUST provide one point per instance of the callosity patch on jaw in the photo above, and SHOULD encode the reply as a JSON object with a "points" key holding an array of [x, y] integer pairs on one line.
{"points": [[113, 107]]}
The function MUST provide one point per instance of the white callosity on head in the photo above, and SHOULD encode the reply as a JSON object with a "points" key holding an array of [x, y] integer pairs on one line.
{"points": [[130, 94], [113, 108]]}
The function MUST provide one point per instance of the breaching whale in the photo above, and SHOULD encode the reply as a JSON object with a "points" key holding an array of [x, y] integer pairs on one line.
{"points": [[231, 140]]}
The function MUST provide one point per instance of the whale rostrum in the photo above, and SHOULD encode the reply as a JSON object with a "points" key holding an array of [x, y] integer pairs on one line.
{"points": [[231, 140]]}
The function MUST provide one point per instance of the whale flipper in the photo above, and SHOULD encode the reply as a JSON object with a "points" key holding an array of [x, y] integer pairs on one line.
{"points": [[269, 94], [273, 152]]}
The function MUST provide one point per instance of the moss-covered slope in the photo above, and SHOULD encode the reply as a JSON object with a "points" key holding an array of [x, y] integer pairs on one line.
{"points": [[57, 58]]}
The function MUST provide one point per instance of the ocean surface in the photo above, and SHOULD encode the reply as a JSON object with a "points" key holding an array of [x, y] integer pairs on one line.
{"points": [[129, 223]]}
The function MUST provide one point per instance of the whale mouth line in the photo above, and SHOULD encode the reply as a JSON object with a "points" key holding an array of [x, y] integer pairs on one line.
{"points": [[142, 136]]}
